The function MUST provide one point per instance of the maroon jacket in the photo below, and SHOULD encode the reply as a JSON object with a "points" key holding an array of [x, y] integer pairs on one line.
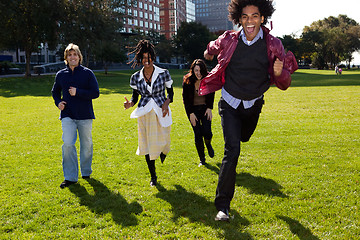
{"points": [[225, 46]]}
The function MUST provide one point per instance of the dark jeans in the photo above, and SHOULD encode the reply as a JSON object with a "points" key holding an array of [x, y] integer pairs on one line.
{"points": [[203, 125], [238, 126]]}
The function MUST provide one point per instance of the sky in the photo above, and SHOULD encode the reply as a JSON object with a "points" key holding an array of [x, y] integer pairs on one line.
{"points": [[291, 16]]}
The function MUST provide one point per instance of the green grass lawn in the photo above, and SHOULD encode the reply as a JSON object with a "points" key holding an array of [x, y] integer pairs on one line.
{"points": [[297, 178]]}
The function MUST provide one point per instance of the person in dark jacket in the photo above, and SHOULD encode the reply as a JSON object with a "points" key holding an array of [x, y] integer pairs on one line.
{"points": [[74, 88], [198, 108], [249, 61]]}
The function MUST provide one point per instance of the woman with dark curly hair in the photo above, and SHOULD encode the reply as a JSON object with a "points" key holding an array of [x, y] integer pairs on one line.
{"points": [[198, 108], [249, 61], [153, 112]]}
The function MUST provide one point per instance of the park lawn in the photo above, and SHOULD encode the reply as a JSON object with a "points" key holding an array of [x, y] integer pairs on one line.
{"points": [[297, 177]]}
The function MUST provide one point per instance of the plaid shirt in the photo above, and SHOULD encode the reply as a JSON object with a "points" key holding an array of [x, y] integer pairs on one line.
{"points": [[161, 79]]}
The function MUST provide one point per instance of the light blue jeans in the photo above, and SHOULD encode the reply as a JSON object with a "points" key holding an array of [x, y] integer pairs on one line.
{"points": [[70, 127]]}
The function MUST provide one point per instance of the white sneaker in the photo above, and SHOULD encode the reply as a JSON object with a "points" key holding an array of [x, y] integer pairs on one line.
{"points": [[222, 216]]}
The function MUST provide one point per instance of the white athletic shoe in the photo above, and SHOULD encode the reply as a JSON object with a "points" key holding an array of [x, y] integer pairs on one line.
{"points": [[222, 216]]}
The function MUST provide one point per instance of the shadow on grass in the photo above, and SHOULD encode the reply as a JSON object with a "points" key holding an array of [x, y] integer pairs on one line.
{"points": [[40, 86], [105, 201], [115, 82], [296, 228], [318, 79], [255, 184], [259, 185], [197, 209]]}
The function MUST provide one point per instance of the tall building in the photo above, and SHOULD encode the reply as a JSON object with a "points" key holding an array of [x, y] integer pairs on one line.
{"points": [[143, 15], [190, 11], [213, 14], [172, 13]]}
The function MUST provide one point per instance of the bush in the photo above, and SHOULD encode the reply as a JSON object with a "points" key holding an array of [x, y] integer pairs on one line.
{"points": [[5, 67]]}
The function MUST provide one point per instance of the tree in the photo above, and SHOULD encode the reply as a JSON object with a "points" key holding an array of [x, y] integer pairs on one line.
{"points": [[335, 40], [109, 52], [352, 42], [94, 26], [292, 44], [165, 49], [26, 24], [191, 40]]}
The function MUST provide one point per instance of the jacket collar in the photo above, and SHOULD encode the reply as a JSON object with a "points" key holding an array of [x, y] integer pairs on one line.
{"points": [[77, 67], [157, 71]]}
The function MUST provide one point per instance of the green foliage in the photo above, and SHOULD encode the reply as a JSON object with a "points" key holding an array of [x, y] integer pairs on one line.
{"points": [[191, 40], [26, 24], [297, 178], [165, 50], [334, 40], [95, 27]]}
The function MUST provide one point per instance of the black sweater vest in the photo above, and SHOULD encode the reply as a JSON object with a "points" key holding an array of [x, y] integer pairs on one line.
{"points": [[246, 76]]}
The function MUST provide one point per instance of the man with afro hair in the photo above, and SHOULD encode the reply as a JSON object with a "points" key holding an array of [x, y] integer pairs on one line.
{"points": [[249, 61]]}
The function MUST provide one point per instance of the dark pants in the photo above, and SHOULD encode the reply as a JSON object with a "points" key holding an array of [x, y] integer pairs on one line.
{"points": [[238, 126], [202, 128]]}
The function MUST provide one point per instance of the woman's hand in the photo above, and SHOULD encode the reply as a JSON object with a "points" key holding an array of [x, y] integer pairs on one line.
{"points": [[208, 113], [193, 119], [278, 67], [165, 107], [127, 104]]}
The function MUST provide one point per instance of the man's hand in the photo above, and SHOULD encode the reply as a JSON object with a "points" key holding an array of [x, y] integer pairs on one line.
{"points": [[72, 91], [61, 105], [207, 56], [278, 67]]}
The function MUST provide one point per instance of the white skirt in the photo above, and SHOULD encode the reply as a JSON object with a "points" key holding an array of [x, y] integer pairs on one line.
{"points": [[153, 138]]}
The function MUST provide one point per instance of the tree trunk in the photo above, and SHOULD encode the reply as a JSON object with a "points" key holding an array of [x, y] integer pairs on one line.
{"points": [[106, 68], [27, 57]]}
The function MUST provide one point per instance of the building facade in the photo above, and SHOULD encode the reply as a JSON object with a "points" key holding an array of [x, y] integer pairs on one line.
{"points": [[213, 14], [190, 11], [143, 15], [41, 56], [172, 13]]}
